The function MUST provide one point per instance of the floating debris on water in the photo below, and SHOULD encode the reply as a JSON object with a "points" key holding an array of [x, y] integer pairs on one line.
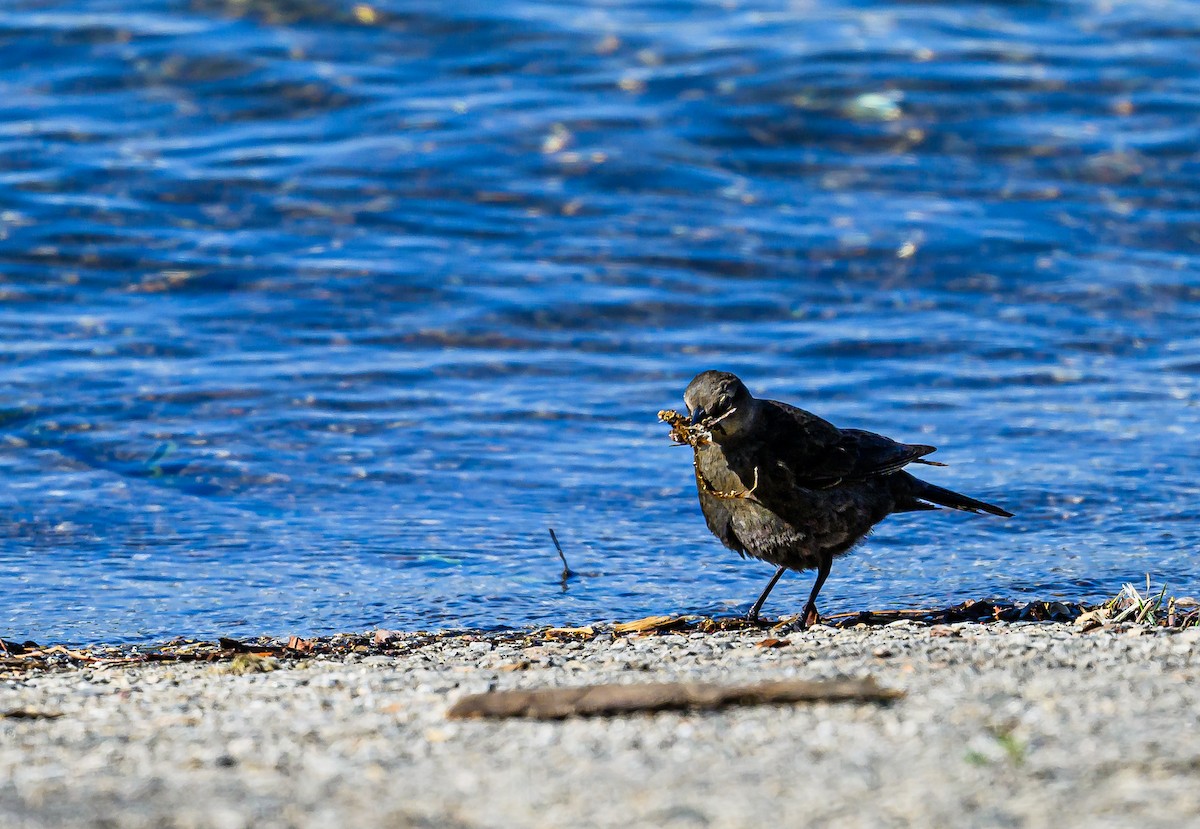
{"points": [[876, 106]]}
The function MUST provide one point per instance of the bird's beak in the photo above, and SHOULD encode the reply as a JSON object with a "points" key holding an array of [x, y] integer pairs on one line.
{"points": [[699, 415]]}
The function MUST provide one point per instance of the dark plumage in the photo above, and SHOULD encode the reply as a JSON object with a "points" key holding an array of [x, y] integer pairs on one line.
{"points": [[780, 484]]}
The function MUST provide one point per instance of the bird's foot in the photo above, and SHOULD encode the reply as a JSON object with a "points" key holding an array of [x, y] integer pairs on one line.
{"points": [[756, 621], [811, 617]]}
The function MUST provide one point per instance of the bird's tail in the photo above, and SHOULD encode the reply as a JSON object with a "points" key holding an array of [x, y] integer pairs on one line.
{"points": [[947, 498]]}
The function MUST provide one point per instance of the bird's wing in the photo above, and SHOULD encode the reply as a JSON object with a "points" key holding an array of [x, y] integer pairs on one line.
{"points": [[878, 455], [817, 454]]}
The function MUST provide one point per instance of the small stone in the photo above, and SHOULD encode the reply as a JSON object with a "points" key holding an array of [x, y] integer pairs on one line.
{"points": [[383, 637]]}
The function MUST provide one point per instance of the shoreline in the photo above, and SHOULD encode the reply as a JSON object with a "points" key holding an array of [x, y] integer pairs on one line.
{"points": [[1128, 607], [1001, 724]]}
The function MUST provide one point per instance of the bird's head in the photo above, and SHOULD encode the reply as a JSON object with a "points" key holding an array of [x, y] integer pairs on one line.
{"points": [[720, 402]]}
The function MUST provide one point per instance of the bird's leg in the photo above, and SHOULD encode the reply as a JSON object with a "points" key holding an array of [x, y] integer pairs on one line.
{"points": [[811, 616], [752, 616]]}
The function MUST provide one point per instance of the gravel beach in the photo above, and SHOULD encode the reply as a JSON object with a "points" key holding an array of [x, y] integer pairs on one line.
{"points": [[1003, 724]]}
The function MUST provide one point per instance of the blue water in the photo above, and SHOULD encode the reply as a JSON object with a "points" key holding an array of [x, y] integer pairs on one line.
{"points": [[315, 317]]}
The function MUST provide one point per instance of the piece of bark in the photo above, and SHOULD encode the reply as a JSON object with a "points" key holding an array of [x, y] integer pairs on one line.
{"points": [[772, 642], [557, 633], [648, 624], [1093, 619], [599, 700], [295, 643], [29, 714]]}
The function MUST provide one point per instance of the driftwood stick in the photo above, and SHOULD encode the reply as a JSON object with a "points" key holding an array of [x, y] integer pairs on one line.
{"points": [[601, 700]]}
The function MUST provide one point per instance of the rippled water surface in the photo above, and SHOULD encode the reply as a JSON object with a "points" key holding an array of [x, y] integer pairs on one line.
{"points": [[316, 316]]}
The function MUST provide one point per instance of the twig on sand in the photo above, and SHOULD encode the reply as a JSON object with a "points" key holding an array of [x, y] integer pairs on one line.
{"points": [[602, 700], [567, 572]]}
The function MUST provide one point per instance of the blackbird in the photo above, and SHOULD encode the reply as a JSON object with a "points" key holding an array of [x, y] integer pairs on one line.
{"points": [[782, 485]]}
